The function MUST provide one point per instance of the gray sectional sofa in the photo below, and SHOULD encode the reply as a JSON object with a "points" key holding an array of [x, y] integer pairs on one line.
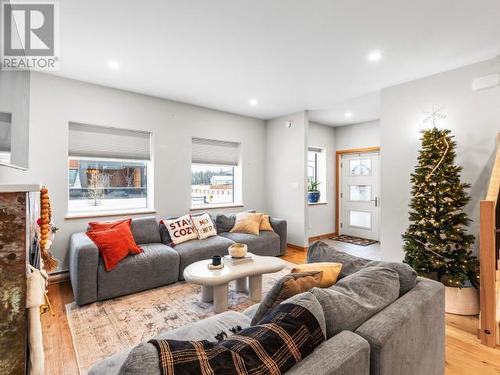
{"points": [[380, 320], [161, 263]]}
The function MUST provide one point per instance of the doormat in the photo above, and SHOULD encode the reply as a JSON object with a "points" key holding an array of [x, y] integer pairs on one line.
{"points": [[354, 240]]}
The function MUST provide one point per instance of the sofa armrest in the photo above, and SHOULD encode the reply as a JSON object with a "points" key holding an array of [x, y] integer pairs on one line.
{"points": [[279, 226], [345, 353], [408, 336], [83, 262]]}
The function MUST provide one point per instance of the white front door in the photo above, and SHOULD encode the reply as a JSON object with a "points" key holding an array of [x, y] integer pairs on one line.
{"points": [[359, 195]]}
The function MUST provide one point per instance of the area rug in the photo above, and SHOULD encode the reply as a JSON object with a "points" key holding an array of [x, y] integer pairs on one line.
{"points": [[354, 240], [104, 328]]}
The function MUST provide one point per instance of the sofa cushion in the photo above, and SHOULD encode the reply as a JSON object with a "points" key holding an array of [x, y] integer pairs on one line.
{"points": [[204, 226], [114, 244], [159, 262], [266, 243], [145, 230], [196, 250], [265, 224], [322, 252], [286, 287], [309, 301], [247, 222], [357, 297], [180, 229], [165, 236], [225, 222], [330, 271]]}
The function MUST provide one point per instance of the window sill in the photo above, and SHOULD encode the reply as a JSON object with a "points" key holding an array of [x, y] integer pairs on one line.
{"points": [[212, 206], [88, 215], [318, 204]]}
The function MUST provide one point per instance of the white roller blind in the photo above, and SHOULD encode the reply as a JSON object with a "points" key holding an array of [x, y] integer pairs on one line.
{"points": [[103, 142], [5, 131], [315, 149], [209, 151]]}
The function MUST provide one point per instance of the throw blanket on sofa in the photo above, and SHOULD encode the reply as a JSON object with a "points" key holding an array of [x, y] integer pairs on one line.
{"points": [[282, 338]]}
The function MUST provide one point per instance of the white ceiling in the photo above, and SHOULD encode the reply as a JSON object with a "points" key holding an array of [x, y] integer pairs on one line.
{"points": [[290, 55], [362, 109]]}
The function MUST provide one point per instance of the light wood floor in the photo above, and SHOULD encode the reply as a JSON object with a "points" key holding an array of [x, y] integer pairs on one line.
{"points": [[464, 354]]}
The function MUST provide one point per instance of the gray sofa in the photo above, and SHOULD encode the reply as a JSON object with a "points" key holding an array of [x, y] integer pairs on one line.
{"points": [[161, 263], [405, 336]]}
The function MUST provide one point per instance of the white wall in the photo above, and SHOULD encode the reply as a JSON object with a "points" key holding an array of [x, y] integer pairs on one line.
{"points": [[365, 134], [286, 174], [14, 99], [56, 101], [322, 216], [474, 118]]}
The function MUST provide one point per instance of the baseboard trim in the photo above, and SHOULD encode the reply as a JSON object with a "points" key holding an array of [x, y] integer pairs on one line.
{"points": [[291, 246], [321, 237], [58, 277]]}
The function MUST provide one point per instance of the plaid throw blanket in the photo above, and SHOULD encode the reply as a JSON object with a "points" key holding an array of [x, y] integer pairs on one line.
{"points": [[285, 336]]}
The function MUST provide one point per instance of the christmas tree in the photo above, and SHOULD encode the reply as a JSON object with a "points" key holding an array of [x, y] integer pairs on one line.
{"points": [[436, 242]]}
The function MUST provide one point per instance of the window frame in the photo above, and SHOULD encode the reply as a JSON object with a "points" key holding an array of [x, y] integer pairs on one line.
{"points": [[236, 188], [320, 162], [106, 211]]}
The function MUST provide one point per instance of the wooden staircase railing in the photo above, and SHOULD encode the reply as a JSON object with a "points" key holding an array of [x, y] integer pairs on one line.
{"points": [[489, 241]]}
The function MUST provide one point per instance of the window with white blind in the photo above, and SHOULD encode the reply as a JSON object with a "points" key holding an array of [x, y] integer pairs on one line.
{"points": [[215, 173], [108, 169]]}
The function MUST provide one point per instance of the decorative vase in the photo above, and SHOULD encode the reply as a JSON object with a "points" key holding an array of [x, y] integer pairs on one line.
{"points": [[461, 301], [238, 250], [313, 196]]}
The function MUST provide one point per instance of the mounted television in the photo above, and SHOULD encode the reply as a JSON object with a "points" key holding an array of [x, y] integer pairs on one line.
{"points": [[14, 118]]}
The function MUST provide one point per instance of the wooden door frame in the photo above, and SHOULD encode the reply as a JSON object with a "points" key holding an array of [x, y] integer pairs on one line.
{"points": [[338, 157]]}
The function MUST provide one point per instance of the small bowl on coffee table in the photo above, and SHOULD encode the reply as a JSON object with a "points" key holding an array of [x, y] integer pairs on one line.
{"points": [[238, 250]]}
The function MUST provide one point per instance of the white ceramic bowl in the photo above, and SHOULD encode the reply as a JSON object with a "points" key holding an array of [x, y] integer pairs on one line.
{"points": [[238, 250]]}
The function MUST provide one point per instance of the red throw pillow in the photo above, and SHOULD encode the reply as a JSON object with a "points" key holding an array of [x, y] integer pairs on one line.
{"points": [[112, 245], [96, 225], [125, 231]]}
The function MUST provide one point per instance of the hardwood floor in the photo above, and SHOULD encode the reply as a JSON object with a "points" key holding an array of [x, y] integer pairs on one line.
{"points": [[464, 353]]}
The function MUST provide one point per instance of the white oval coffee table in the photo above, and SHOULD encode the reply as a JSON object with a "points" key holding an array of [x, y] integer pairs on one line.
{"points": [[214, 283]]}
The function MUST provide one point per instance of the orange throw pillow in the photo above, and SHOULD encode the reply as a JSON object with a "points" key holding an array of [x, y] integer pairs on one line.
{"points": [[125, 231], [112, 245], [265, 224]]}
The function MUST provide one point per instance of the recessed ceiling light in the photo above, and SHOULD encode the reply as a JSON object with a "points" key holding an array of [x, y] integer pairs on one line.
{"points": [[113, 65], [348, 114], [253, 102], [374, 56]]}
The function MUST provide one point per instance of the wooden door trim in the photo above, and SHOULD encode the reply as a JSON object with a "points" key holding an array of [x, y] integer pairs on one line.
{"points": [[338, 157]]}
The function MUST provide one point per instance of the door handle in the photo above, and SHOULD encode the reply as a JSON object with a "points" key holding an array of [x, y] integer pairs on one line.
{"points": [[376, 201]]}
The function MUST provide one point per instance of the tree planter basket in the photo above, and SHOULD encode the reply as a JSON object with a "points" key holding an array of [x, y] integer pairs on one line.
{"points": [[461, 301]]}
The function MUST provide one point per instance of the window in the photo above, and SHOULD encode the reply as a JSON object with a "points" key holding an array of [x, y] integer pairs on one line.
{"points": [[316, 170], [108, 169], [312, 164], [215, 173], [5, 137], [360, 167]]}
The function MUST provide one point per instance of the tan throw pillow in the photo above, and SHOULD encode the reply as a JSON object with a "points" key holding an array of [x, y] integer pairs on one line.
{"points": [[204, 226], [286, 287], [265, 224], [247, 222], [331, 271], [181, 229]]}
